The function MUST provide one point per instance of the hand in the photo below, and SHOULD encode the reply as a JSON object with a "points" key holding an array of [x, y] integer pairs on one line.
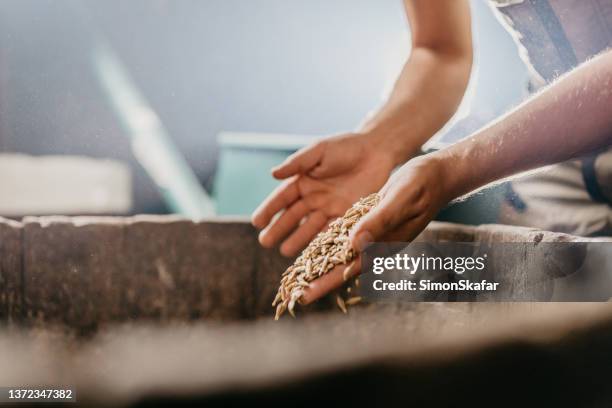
{"points": [[321, 182], [409, 201], [411, 198]]}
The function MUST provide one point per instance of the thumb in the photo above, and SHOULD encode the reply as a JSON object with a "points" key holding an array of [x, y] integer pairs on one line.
{"points": [[374, 225], [300, 162]]}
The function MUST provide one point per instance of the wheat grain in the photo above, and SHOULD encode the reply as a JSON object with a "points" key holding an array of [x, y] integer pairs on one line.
{"points": [[352, 301], [327, 250], [340, 303]]}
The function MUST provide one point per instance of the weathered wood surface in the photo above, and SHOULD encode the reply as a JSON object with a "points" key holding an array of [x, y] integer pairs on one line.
{"points": [[114, 277], [527, 271], [420, 355], [85, 272], [11, 296], [72, 271]]}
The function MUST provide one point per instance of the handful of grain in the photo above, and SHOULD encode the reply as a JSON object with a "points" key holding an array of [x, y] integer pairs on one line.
{"points": [[329, 249]]}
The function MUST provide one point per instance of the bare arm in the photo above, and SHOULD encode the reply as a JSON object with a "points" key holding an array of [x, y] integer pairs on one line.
{"points": [[433, 81], [570, 118], [322, 180]]}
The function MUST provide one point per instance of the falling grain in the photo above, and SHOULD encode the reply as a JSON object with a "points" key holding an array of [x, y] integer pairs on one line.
{"points": [[352, 301], [329, 249], [341, 304]]}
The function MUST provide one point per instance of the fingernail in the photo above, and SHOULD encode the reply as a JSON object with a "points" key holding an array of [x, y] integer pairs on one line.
{"points": [[286, 251], [256, 221], [363, 240], [263, 239]]}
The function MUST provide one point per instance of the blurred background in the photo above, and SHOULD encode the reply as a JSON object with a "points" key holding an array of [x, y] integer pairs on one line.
{"points": [[161, 106]]}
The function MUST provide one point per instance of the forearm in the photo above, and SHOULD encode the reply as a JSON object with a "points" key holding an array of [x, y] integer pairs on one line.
{"points": [[570, 118], [425, 96], [432, 82]]}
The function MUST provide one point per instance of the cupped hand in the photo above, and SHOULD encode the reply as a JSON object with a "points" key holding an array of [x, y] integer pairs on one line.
{"points": [[320, 183], [409, 201], [411, 198]]}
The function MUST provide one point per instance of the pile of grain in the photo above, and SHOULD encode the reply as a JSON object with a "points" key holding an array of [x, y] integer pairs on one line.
{"points": [[329, 249]]}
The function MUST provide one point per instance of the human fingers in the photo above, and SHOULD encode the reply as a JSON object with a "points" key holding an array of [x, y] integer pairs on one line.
{"points": [[300, 162], [315, 222], [397, 206], [282, 197], [330, 281], [283, 225]]}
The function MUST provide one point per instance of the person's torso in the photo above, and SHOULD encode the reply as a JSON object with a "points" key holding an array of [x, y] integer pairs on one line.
{"points": [[553, 37]]}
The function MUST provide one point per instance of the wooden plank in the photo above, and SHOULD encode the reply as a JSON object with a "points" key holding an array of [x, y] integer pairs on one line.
{"points": [[11, 289], [427, 354], [270, 265], [183, 270], [73, 269]]}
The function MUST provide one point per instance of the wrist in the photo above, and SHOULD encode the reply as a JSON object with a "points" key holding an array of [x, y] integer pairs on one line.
{"points": [[454, 175], [391, 142]]}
